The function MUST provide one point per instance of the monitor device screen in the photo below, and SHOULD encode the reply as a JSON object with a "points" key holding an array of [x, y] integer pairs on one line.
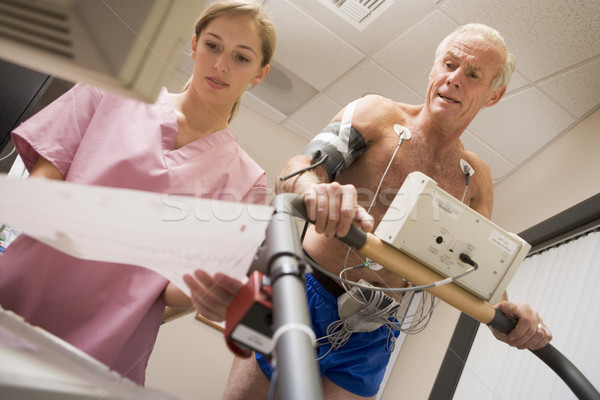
{"points": [[130, 47]]}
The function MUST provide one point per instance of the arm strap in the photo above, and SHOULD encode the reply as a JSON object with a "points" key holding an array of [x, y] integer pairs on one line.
{"points": [[340, 142]]}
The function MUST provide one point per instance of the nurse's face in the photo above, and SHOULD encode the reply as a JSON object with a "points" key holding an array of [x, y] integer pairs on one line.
{"points": [[228, 57]]}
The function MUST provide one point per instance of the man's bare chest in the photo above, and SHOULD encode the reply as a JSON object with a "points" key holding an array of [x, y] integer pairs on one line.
{"points": [[383, 168]]}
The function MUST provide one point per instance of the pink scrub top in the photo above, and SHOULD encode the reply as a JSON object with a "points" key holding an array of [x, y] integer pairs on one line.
{"points": [[113, 311]]}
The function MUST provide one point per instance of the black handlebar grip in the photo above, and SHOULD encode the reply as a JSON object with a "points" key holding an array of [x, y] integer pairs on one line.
{"points": [[502, 323]]}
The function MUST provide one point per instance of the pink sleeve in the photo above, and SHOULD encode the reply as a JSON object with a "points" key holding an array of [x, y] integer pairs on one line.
{"points": [[56, 131]]}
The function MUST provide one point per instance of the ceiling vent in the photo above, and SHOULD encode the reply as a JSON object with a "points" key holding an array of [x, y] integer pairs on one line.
{"points": [[359, 13]]}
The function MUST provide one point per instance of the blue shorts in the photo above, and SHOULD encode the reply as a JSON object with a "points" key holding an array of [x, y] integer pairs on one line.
{"points": [[360, 364]]}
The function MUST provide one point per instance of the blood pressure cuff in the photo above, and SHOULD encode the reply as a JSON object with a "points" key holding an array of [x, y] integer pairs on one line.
{"points": [[341, 143]]}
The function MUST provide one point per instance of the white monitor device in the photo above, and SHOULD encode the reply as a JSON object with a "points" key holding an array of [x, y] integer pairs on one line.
{"points": [[130, 47], [434, 228]]}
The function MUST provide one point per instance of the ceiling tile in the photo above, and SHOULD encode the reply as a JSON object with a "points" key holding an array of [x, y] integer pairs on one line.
{"points": [[577, 90], [283, 90], [412, 98], [390, 24], [499, 166], [258, 105], [316, 114], [517, 81], [420, 86], [537, 30], [307, 48], [467, 11], [410, 57], [520, 124], [367, 77], [297, 129]]}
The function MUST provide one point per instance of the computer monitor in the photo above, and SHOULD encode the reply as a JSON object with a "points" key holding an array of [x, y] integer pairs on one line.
{"points": [[131, 47]]}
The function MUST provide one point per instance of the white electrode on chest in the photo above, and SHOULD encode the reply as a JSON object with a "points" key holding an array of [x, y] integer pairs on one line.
{"points": [[434, 228], [402, 132]]}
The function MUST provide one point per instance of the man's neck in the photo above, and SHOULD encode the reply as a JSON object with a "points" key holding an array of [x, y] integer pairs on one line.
{"points": [[441, 136]]}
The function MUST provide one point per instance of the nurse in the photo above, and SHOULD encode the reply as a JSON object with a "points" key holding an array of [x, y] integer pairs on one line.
{"points": [[179, 144]]}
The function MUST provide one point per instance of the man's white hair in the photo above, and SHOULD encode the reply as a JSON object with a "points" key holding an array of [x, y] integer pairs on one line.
{"points": [[488, 33]]}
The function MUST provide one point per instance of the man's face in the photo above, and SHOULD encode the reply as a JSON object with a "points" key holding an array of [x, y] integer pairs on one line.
{"points": [[460, 80]]}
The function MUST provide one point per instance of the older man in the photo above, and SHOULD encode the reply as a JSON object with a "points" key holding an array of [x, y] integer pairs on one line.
{"points": [[371, 146]]}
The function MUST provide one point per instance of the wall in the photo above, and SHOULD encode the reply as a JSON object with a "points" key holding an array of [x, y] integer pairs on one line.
{"points": [[281, 145], [421, 356], [564, 174], [190, 360]]}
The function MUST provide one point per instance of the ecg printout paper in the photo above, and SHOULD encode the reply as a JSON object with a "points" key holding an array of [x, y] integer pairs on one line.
{"points": [[169, 234]]}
